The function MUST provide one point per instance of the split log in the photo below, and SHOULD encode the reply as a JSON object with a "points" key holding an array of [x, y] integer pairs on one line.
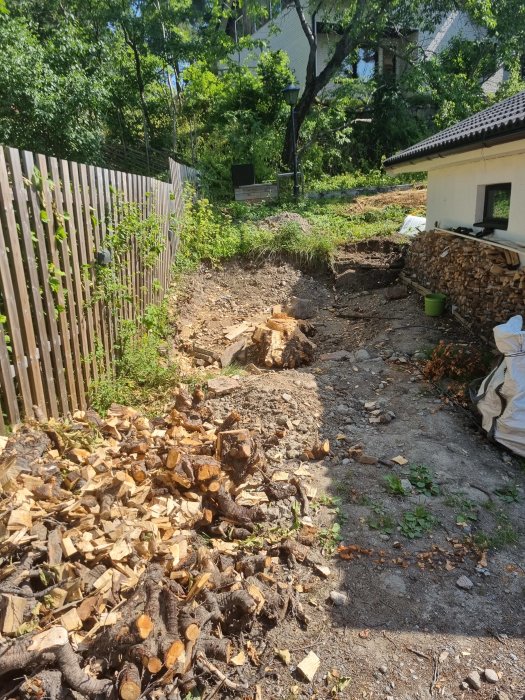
{"points": [[239, 453], [129, 685]]}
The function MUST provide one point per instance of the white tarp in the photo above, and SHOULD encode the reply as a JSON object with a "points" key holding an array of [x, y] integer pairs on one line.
{"points": [[412, 225], [501, 396]]}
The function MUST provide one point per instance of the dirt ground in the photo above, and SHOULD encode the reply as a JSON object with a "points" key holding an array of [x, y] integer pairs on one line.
{"points": [[389, 621]]}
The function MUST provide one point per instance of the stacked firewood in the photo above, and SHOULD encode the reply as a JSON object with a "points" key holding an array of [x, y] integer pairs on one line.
{"points": [[484, 282], [123, 551]]}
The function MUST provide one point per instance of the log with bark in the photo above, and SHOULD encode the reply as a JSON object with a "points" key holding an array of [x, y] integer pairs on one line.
{"points": [[282, 342]]}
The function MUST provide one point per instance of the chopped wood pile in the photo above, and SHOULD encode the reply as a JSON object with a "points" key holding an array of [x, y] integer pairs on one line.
{"points": [[129, 562], [484, 282], [282, 341]]}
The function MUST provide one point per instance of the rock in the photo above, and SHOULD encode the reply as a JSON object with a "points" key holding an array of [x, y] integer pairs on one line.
{"points": [[501, 695], [383, 669], [301, 308], [406, 485], [474, 680], [338, 598], [231, 352], [398, 291], [336, 356], [287, 397], [363, 458], [222, 386], [464, 685], [323, 571], [490, 675], [464, 583], [362, 355]]}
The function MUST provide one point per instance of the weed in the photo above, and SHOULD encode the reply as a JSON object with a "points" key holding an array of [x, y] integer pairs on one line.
{"points": [[468, 510], [329, 538], [503, 535], [381, 520], [394, 485], [415, 523], [421, 479], [508, 493]]}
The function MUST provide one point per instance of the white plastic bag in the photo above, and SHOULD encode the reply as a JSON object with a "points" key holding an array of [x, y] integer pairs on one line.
{"points": [[501, 396]]}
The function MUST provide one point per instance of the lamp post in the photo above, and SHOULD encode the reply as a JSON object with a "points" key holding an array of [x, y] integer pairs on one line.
{"points": [[291, 95]]}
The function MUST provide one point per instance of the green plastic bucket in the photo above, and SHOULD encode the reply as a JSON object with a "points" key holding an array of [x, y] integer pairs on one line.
{"points": [[435, 304]]}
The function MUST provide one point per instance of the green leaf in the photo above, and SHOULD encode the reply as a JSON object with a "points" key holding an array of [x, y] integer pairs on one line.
{"points": [[43, 216], [60, 234]]}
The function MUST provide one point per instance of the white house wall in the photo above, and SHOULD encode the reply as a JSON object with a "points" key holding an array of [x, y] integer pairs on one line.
{"points": [[283, 33], [456, 187]]}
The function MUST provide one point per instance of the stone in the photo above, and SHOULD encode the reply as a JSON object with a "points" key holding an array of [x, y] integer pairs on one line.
{"points": [[398, 291], [383, 669], [231, 352], [338, 598], [474, 680], [336, 356], [301, 308], [287, 397], [490, 675], [309, 666], [406, 485], [362, 355], [464, 583], [501, 695], [222, 386]]}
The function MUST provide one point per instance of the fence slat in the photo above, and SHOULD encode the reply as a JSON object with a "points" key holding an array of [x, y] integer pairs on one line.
{"points": [[97, 233], [54, 259], [71, 302], [48, 301], [19, 310], [70, 206], [85, 251], [21, 201], [7, 385]]}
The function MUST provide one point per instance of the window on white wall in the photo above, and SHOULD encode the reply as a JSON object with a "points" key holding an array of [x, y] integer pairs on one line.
{"points": [[497, 205]]}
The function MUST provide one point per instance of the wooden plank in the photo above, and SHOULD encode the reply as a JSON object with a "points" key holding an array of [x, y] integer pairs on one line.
{"points": [[86, 256], [16, 300], [73, 207], [133, 249], [107, 316], [72, 310], [50, 403], [141, 275], [97, 233], [54, 258], [8, 398], [148, 212], [123, 186], [48, 301]]}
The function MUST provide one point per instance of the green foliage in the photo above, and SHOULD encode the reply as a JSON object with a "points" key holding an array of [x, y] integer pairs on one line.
{"points": [[380, 520], [394, 485], [508, 493], [141, 375], [422, 480], [468, 510], [373, 178], [416, 523], [329, 538]]}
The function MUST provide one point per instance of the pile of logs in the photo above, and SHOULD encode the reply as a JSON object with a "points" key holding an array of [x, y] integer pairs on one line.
{"points": [[123, 565], [483, 281], [283, 342]]}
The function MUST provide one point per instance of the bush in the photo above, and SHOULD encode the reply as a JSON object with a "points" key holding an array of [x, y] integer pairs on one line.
{"points": [[374, 178]]}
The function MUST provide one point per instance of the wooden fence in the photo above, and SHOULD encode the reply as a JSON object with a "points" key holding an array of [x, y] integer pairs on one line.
{"points": [[82, 249]]}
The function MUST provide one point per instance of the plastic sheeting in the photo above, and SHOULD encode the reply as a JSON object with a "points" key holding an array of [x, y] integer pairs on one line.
{"points": [[412, 225], [501, 396]]}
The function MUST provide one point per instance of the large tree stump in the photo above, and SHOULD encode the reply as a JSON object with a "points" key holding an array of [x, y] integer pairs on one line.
{"points": [[282, 342]]}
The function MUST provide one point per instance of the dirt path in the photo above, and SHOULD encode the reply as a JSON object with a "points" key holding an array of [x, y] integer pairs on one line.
{"points": [[390, 617]]}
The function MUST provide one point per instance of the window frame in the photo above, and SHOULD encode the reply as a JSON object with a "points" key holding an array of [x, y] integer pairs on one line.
{"points": [[488, 220]]}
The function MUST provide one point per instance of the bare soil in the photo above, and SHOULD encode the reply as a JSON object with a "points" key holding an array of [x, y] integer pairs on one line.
{"points": [[404, 630]]}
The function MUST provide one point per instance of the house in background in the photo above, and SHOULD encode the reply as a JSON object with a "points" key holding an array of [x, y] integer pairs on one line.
{"points": [[283, 32], [475, 248]]}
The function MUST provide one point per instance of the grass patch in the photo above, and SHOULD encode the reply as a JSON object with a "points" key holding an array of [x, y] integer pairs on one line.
{"points": [[508, 493], [380, 520], [393, 485], [375, 178], [416, 523]]}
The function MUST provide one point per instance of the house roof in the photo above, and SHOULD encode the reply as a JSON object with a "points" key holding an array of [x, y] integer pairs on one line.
{"points": [[502, 121]]}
